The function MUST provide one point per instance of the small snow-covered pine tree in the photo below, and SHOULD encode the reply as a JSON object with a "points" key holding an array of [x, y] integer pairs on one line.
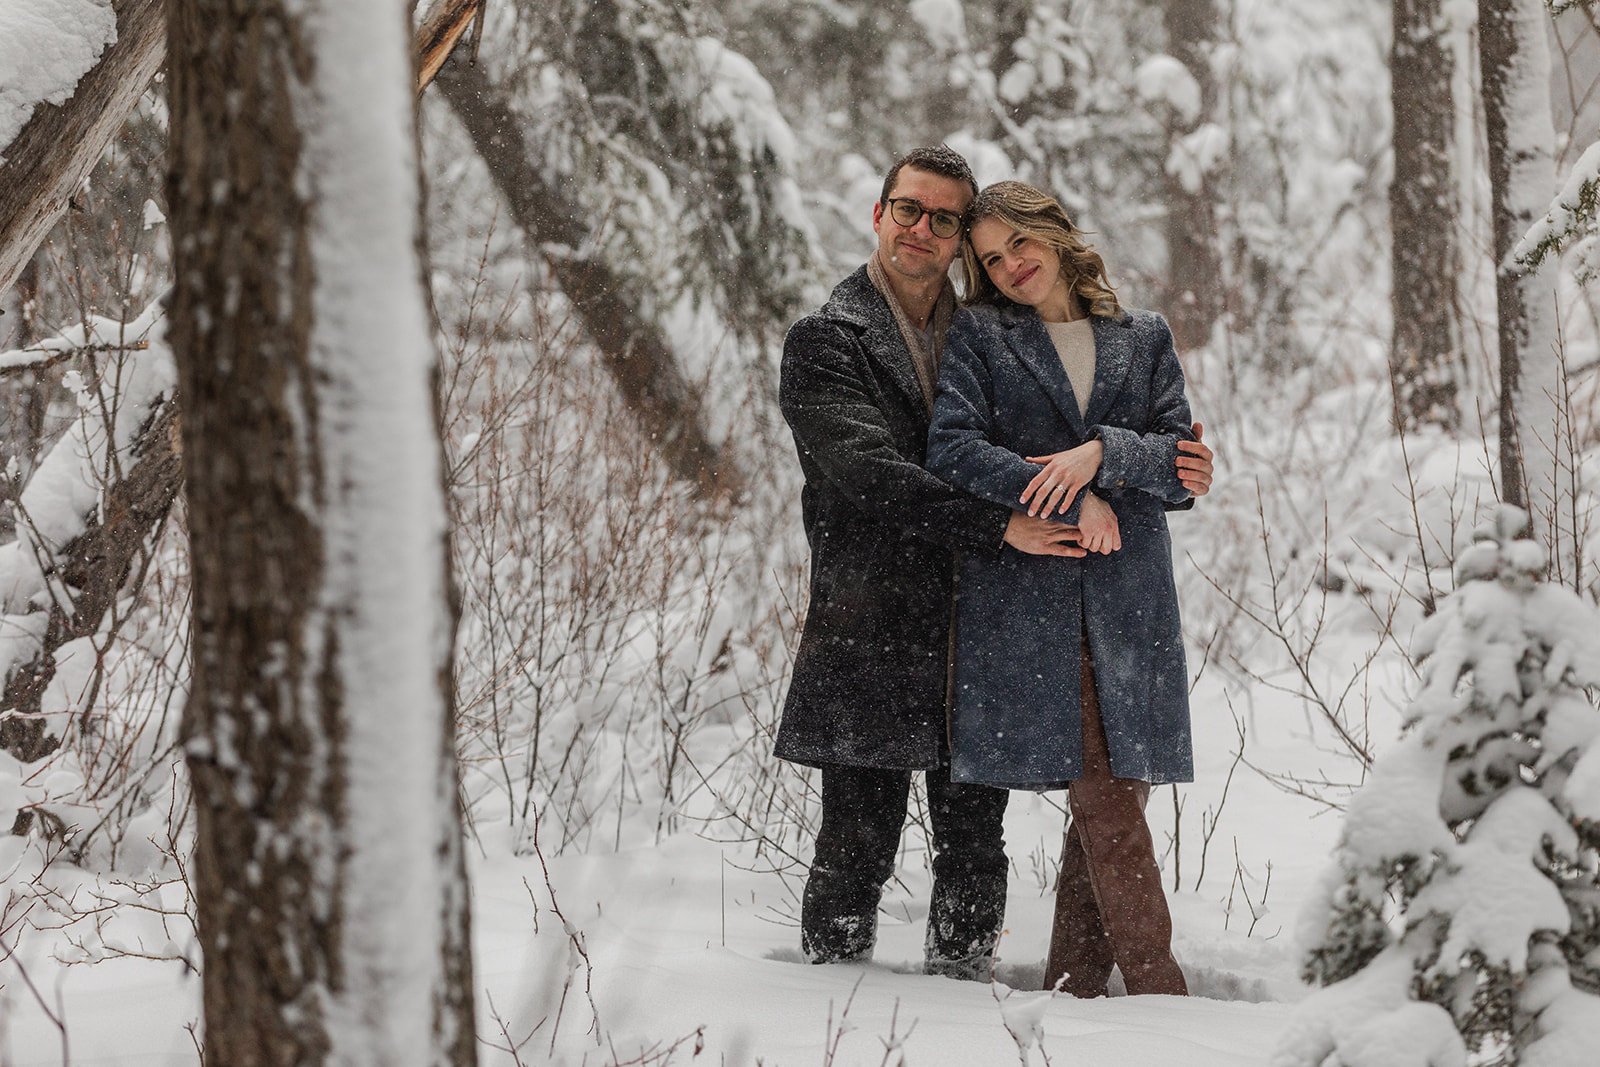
{"points": [[1460, 919]]}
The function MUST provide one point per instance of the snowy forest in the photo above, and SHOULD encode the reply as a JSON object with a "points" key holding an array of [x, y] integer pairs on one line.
{"points": [[341, 339]]}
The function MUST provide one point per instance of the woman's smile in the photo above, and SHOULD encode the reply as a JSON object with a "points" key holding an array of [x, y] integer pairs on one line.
{"points": [[1021, 267], [1024, 269]]}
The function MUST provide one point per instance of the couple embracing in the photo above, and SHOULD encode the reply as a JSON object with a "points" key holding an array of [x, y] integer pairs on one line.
{"points": [[992, 598]]}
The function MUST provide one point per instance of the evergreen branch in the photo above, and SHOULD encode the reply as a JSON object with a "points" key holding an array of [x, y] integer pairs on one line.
{"points": [[1571, 214]]}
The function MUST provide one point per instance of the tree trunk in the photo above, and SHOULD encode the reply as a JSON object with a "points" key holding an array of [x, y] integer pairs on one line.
{"points": [[1515, 60], [60, 144], [328, 876], [638, 356], [1194, 284], [1424, 351]]}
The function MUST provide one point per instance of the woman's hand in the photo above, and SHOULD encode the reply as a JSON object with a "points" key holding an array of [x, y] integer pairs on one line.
{"points": [[1064, 474], [1097, 526]]}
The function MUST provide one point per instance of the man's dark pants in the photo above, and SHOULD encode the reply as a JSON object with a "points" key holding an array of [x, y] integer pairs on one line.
{"points": [[863, 812]]}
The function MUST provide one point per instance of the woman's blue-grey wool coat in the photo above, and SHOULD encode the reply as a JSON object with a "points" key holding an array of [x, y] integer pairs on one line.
{"points": [[1003, 395]]}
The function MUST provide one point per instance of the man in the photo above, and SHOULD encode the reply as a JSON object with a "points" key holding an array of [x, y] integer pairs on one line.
{"points": [[866, 703]]}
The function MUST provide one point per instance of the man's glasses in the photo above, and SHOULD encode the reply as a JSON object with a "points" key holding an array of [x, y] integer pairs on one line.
{"points": [[906, 212]]}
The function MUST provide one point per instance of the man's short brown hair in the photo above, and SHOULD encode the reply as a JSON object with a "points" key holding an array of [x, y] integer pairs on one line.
{"points": [[938, 159]]}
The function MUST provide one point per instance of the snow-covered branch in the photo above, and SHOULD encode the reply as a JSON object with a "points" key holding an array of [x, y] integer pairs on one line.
{"points": [[85, 512], [66, 128], [1571, 218], [1458, 913]]}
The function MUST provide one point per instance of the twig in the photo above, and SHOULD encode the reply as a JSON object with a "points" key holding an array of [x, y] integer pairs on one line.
{"points": [[1207, 829], [830, 1044], [576, 945], [58, 1017], [895, 1042], [512, 1047]]}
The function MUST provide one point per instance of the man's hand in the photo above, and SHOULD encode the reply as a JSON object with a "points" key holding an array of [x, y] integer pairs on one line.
{"points": [[1194, 464], [1041, 537]]}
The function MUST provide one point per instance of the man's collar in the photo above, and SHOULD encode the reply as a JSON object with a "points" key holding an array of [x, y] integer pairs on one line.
{"points": [[884, 282]]}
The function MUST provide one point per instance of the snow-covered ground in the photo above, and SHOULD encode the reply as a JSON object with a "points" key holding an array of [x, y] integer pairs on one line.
{"points": [[695, 940]]}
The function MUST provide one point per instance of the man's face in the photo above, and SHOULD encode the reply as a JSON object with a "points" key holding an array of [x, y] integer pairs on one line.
{"points": [[915, 252]]}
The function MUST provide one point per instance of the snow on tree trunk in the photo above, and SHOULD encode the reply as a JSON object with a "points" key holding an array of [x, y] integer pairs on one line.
{"points": [[69, 120], [1571, 219], [1515, 59], [328, 874], [1462, 909], [1425, 350]]}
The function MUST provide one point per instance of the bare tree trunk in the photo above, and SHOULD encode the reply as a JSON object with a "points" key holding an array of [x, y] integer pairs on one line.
{"points": [[1515, 61], [639, 357], [1194, 284], [328, 880], [1424, 353], [60, 144]]}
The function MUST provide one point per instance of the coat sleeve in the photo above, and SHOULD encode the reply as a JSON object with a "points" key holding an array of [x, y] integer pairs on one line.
{"points": [[840, 426], [961, 446], [1147, 460]]}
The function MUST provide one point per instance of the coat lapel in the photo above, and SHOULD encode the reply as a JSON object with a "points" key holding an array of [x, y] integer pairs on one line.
{"points": [[885, 345], [858, 301], [1031, 343], [1113, 355]]}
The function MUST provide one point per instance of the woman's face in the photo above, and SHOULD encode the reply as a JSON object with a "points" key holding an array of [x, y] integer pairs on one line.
{"points": [[1023, 268]]}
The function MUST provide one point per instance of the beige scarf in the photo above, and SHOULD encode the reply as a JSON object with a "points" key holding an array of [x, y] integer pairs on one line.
{"points": [[924, 359]]}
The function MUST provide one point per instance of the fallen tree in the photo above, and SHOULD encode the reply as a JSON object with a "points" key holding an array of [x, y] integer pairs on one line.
{"points": [[637, 354], [86, 516], [60, 143]]}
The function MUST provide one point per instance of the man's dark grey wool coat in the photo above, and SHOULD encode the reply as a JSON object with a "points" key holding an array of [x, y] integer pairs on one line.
{"points": [[1004, 395], [868, 687]]}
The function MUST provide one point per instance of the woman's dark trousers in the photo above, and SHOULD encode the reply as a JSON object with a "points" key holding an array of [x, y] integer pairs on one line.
{"points": [[863, 812], [1109, 903]]}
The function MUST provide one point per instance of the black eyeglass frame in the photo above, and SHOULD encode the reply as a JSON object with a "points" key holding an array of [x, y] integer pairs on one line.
{"points": [[934, 215]]}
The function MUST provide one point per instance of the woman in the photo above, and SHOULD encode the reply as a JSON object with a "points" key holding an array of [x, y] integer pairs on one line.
{"points": [[1070, 672]]}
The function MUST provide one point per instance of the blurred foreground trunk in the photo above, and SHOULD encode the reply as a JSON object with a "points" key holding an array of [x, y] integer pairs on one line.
{"points": [[328, 875]]}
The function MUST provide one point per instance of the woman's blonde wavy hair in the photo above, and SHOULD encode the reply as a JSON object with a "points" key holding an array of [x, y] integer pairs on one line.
{"points": [[1040, 216]]}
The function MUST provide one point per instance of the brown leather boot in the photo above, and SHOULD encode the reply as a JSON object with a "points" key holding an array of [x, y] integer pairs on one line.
{"points": [[1110, 832], [1079, 949]]}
